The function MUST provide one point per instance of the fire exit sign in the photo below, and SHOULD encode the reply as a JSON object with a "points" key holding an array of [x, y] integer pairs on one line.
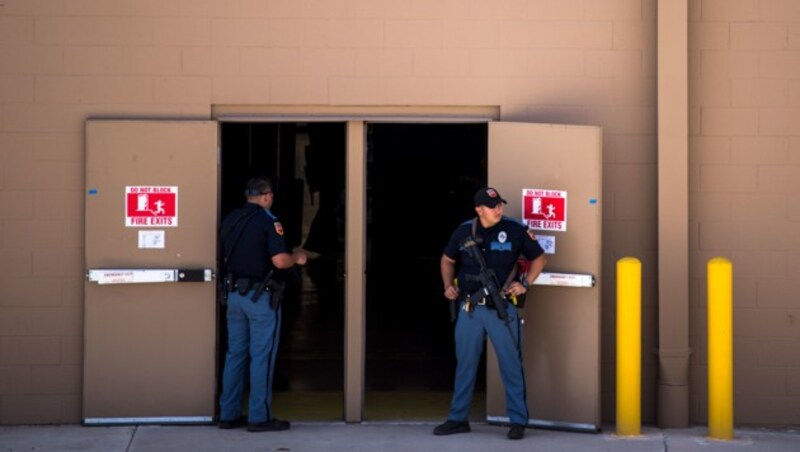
{"points": [[151, 206], [544, 210]]}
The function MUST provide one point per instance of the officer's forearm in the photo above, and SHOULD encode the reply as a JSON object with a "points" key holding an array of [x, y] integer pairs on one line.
{"points": [[285, 260], [536, 267], [448, 270]]}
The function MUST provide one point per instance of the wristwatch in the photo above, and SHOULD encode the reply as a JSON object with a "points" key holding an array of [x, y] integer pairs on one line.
{"points": [[525, 283]]}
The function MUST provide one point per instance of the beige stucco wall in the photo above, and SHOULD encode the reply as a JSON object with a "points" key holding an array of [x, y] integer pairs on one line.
{"points": [[567, 61]]}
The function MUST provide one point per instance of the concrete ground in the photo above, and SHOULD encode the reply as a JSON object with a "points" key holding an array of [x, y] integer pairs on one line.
{"points": [[311, 436]]}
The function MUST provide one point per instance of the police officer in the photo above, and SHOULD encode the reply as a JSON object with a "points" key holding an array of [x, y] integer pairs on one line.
{"points": [[501, 241], [254, 246]]}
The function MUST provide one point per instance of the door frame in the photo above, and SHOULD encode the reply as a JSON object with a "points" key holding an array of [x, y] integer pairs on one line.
{"points": [[356, 119]]}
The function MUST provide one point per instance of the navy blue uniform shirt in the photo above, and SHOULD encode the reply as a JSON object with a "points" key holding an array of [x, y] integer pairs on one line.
{"points": [[261, 238], [502, 245]]}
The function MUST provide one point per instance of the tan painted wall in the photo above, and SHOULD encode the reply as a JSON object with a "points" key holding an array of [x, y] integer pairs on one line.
{"points": [[744, 159], [568, 61]]}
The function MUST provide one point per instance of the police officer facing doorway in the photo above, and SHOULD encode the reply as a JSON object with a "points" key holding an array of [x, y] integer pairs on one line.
{"points": [[486, 250], [254, 247]]}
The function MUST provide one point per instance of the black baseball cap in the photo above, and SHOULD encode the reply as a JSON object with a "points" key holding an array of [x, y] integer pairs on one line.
{"points": [[488, 197]]}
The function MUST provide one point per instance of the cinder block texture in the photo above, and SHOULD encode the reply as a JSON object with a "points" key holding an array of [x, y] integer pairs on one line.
{"points": [[571, 61]]}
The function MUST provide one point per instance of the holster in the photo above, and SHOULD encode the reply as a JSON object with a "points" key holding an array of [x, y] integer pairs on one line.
{"points": [[224, 287], [243, 285], [277, 289], [519, 300]]}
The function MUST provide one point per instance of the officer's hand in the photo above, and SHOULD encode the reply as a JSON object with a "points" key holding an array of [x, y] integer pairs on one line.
{"points": [[300, 258], [516, 288], [451, 292]]}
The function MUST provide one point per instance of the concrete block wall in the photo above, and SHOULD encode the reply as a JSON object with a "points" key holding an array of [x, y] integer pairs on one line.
{"points": [[744, 184], [568, 61], [63, 61]]}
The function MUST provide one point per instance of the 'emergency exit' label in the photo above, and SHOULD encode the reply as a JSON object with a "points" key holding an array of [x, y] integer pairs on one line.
{"points": [[147, 206], [545, 209]]}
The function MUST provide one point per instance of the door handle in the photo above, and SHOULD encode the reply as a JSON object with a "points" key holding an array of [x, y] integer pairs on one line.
{"points": [[149, 275]]}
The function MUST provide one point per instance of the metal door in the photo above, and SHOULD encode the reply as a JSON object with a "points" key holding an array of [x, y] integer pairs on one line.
{"points": [[149, 335], [562, 324]]}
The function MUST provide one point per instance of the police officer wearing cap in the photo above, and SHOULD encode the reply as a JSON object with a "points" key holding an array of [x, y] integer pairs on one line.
{"points": [[254, 246], [501, 241]]}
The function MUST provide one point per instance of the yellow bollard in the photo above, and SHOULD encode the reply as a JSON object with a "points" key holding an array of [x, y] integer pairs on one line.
{"points": [[720, 348], [629, 346]]}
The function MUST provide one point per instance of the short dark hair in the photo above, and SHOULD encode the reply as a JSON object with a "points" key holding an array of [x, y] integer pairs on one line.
{"points": [[258, 186]]}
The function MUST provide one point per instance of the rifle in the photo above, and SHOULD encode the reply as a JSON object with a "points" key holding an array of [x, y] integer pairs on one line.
{"points": [[487, 279]]}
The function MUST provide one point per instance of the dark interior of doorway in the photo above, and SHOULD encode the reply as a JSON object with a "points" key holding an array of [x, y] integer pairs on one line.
{"points": [[305, 162], [421, 179], [420, 182]]}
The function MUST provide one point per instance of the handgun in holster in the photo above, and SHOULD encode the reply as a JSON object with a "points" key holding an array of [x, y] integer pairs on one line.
{"points": [[274, 286], [260, 288], [242, 285], [454, 304], [277, 288]]}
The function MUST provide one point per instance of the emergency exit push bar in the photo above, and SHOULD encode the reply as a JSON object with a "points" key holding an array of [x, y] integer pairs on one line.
{"points": [[134, 276], [564, 279]]}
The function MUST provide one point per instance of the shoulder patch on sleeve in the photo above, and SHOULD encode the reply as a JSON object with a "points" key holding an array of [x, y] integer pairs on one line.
{"points": [[278, 228]]}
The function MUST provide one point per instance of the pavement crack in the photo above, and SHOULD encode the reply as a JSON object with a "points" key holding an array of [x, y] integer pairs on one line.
{"points": [[133, 435]]}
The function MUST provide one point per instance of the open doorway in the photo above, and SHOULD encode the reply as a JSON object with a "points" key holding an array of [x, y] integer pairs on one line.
{"points": [[306, 162], [420, 182]]}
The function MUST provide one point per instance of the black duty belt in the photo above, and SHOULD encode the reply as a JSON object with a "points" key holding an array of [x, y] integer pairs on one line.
{"points": [[244, 285], [483, 301], [486, 301]]}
